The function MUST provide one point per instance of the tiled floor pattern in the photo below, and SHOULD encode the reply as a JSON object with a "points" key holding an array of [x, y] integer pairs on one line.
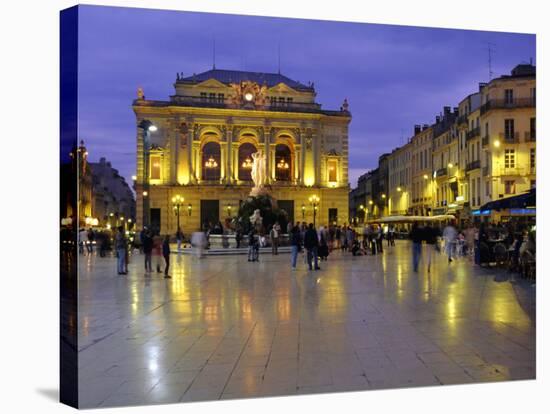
{"points": [[225, 328]]}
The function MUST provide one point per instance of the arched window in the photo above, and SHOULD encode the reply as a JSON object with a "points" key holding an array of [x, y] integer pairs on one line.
{"points": [[283, 163], [245, 160], [211, 161]]}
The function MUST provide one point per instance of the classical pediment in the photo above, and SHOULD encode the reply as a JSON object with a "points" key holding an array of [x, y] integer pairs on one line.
{"points": [[211, 83], [282, 88]]}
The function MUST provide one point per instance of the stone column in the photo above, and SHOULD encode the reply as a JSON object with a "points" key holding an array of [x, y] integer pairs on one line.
{"points": [[316, 146], [273, 162], [140, 173], [302, 155], [174, 152], [223, 161], [229, 165], [297, 172], [267, 146], [190, 154], [197, 156]]}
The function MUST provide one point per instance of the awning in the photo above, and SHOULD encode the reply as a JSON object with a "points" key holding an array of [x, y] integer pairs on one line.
{"points": [[528, 199], [412, 219]]}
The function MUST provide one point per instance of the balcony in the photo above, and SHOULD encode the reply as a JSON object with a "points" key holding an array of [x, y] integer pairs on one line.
{"points": [[530, 136], [512, 138], [474, 133], [515, 171], [474, 165], [462, 119], [441, 172], [507, 104], [485, 141]]}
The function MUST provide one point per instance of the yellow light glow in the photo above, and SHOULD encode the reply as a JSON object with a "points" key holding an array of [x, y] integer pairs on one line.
{"points": [[496, 143], [450, 165], [383, 195], [425, 176], [145, 193], [371, 202], [134, 178], [399, 189]]}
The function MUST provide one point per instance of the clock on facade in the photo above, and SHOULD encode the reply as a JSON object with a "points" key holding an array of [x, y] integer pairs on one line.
{"points": [[248, 96]]}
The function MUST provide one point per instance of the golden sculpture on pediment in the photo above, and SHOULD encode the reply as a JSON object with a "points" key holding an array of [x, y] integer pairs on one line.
{"points": [[248, 93]]}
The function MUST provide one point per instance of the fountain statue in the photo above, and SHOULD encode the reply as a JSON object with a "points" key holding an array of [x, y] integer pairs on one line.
{"points": [[258, 174]]}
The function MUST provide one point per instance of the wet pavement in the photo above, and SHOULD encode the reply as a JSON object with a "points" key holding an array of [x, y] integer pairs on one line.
{"points": [[224, 328]]}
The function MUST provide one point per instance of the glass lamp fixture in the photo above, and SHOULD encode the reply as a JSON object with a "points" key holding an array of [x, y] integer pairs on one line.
{"points": [[283, 165], [211, 163], [247, 163], [248, 96]]}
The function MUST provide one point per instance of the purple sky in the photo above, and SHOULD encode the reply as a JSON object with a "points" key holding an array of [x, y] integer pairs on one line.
{"points": [[393, 76]]}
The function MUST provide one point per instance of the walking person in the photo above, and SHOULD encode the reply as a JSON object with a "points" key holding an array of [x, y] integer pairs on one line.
{"points": [[431, 235], [91, 238], [179, 239], [311, 243], [416, 237], [296, 245], [449, 234], [379, 239], [82, 240], [274, 236], [253, 246], [157, 250], [147, 250], [121, 246], [166, 255], [323, 244]]}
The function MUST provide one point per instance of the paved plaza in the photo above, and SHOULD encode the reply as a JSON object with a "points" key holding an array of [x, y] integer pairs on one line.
{"points": [[224, 328]]}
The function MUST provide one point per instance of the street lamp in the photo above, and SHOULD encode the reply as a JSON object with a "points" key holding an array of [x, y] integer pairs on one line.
{"points": [[314, 201], [177, 201], [303, 211], [229, 207], [189, 208], [362, 208], [147, 127]]}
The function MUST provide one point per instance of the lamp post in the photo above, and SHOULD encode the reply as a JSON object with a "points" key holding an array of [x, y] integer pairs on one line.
{"points": [[314, 201], [362, 209], [229, 207], [177, 201], [303, 211], [189, 208], [147, 127]]}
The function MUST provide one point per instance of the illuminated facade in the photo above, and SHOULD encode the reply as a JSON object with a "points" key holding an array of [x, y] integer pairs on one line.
{"points": [[508, 125], [482, 150], [201, 144]]}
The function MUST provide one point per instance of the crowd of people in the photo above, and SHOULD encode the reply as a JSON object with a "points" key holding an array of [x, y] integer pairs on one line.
{"points": [[483, 244]]}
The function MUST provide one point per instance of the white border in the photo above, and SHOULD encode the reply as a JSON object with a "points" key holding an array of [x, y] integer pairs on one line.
{"points": [[29, 202]]}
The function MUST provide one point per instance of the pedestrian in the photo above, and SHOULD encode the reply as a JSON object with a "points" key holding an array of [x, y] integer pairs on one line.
{"points": [[311, 243], [449, 235], [296, 245], [147, 249], [323, 244], [431, 235], [337, 237], [391, 236], [142, 235], [199, 242], [253, 246], [238, 237], [157, 251], [469, 237], [274, 236], [91, 238], [416, 237], [179, 238], [166, 255], [121, 246], [379, 239], [82, 240]]}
